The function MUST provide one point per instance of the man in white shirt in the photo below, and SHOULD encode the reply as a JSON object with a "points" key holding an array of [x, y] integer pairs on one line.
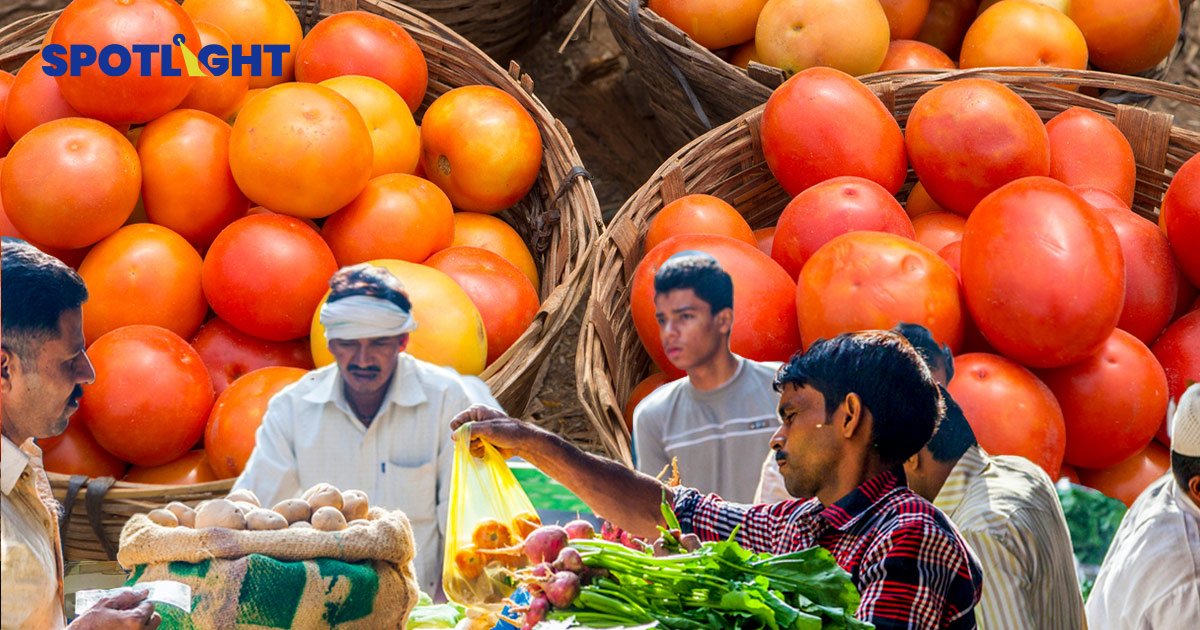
{"points": [[1150, 578], [377, 420]]}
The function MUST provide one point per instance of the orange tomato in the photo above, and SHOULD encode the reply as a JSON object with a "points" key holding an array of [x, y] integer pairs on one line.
{"points": [[493, 234], [506, 299], [229, 353], [744, 54], [936, 230], [75, 452], [70, 182], [644, 388], [848, 35], [919, 202], [34, 99], [1127, 480], [905, 17], [765, 239], [6, 81], [945, 24], [712, 23], [237, 109], [1127, 36], [142, 274], [229, 436], [908, 54], [183, 152], [301, 150], [191, 468], [218, 95], [480, 146], [1023, 33], [1086, 149], [133, 96], [392, 204], [250, 22], [357, 42], [1181, 212], [697, 214], [394, 136], [261, 210], [952, 254]]}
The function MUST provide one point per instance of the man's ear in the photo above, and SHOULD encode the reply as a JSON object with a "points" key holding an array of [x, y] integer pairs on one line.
{"points": [[8, 364], [913, 463], [849, 418], [403, 343], [725, 321], [1194, 488]]}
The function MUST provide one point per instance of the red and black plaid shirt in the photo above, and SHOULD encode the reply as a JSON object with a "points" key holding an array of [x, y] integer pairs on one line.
{"points": [[910, 564]]}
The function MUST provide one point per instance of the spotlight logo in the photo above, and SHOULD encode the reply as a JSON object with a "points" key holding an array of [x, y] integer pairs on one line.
{"points": [[145, 60]]}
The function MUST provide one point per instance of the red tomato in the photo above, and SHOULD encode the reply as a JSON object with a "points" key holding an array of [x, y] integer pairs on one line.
{"points": [[1069, 473], [391, 204], [969, 137], [191, 468], [1043, 273], [946, 23], [832, 208], [873, 280], [1113, 401], [34, 99], [764, 314], [229, 353], [1181, 214], [1127, 36], [907, 54], [765, 239], [266, 274], [1127, 480], [151, 396], [129, 97], [905, 16], [1178, 350], [484, 231], [218, 95], [6, 82], [919, 202], [846, 131], [1009, 409], [697, 214], [936, 230], [229, 436], [952, 254], [504, 296], [1086, 149], [643, 389], [75, 452]]}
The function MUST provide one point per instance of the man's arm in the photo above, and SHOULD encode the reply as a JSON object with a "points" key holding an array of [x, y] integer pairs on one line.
{"points": [[271, 472]]}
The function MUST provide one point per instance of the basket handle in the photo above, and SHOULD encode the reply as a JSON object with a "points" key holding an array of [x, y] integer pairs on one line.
{"points": [[95, 512], [74, 485]]}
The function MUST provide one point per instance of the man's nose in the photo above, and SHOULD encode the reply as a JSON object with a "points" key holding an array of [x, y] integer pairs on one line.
{"points": [[87, 373], [778, 439]]}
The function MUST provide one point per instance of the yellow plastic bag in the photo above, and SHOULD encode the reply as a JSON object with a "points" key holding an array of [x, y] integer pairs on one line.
{"points": [[490, 515]]}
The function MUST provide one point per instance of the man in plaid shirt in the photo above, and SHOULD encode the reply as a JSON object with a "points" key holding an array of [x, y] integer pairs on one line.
{"points": [[852, 410]]}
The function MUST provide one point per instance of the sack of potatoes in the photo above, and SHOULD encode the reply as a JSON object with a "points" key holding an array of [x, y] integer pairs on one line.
{"points": [[322, 560]]}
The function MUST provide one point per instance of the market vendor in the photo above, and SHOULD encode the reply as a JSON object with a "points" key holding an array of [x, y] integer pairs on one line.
{"points": [[852, 410], [43, 368], [1150, 578], [376, 420], [721, 415]]}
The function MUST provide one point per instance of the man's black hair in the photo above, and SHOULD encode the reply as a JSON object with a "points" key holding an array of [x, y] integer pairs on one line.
{"points": [[954, 434], [700, 273], [889, 376], [934, 354], [370, 280], [36, 289], [1184, 468]]}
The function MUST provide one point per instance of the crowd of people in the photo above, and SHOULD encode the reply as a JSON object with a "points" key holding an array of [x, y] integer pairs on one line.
{"points": [[853, 445]]}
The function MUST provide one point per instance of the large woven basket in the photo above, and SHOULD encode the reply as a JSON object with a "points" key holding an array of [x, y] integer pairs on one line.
{"points": [[499, 27], [559, 220], [728, 162]]}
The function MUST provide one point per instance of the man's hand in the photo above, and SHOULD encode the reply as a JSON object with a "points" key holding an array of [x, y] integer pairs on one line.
{"points": [[125, 610], [493, 426]]}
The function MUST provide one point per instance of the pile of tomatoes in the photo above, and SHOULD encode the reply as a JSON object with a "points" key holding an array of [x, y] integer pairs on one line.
{"points": [[206, 215], [1073, 319]]}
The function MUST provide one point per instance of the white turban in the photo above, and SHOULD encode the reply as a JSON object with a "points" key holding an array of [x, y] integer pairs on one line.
{"points": [[364, 317], [1185, 426]]}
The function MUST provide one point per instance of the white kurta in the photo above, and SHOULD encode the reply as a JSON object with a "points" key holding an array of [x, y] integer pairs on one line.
{"points": [[402, 461], [30, 553]]}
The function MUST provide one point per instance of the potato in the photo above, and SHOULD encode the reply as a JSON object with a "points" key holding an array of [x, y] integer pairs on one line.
{"points": [[220, 513], [355, 504], [326, 497], [166, 518], [184, 513], [328, 519], [245, 507], [261, 519], [358, 521], [300, 525], [308, 494], [293, 510], [244, 495]]}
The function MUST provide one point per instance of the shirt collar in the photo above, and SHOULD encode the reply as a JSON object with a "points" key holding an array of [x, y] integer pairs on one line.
{"points": [[12, 465], [972, 464], [846, 510], [405, 389]]}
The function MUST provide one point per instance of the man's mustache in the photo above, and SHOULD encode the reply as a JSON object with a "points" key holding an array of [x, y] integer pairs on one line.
{"points": [[357, 368]]}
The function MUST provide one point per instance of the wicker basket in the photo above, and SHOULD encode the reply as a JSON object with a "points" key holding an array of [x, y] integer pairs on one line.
{"points": [[728, 162], [499, 27], [559, 220]]}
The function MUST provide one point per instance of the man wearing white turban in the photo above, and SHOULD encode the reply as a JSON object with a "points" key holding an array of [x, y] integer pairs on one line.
{"points": [[1150, 578], [376, 420]]}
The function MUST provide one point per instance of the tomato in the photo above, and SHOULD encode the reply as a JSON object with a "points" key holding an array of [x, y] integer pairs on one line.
{"points": [[849, 35], [216, 94], [909, 54], [644, 388], [936, 230], [183, 152], [832, 208], [765, 239], [505, 298], [1009, 409], [480, 146], [847, 131], [266, 274], [75, 452], [919, 202], [309, 223], [151, 396], [72, 258], [904, 16], [1178, 350], [229, 436], [1088, 150], [1043, 273], [711, 23], [1069, 473], [952, 254], [1127, 480], [6, 82], [873, 280], [131, 96], [392, 204], [697, 214], [449, 327], [744, 54], [971, 136], [142, 274], [356, 42], [1127, 36], [764, 314], [191, 468], [946, 23], [1113, 401], [1181, 212], [237, 109], [395, 139], [250, 22], [70, 182], [34, 99], [487, 232], [229, 353], [1023, 33]]}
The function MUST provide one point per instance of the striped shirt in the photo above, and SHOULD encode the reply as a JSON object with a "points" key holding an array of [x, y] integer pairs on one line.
{"points": [[910, 565], [1008, 511]]}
